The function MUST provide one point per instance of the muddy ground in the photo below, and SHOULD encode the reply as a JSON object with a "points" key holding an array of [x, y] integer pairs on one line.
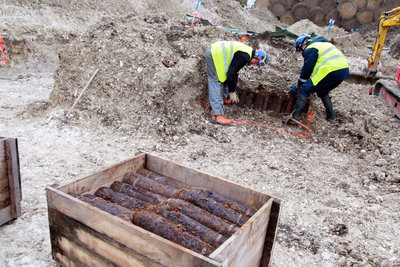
{"points": [[340, 187]]}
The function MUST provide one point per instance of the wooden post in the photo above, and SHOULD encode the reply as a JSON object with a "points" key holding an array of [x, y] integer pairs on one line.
{"points": [[14, 177]]}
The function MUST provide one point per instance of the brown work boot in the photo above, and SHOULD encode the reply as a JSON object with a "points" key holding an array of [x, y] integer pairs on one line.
{"points": [[220, 119]]}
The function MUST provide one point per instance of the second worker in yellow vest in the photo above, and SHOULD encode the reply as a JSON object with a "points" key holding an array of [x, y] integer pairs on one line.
{"points": [[324, 68], [225, 59]]}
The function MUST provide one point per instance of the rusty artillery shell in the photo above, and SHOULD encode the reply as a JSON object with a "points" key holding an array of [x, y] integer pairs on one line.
{"points": [[107, 206], [121, 199], [192, 226], [242, 209], [202, 216], [136, 192], [149, 184], [211, 205], [161, 178], [159, 225]]}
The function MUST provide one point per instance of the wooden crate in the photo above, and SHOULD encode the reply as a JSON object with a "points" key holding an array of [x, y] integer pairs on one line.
{"points": [[10, 181], [83, 235]]}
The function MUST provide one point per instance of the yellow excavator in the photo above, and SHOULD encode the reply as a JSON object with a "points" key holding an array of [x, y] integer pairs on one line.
{"points": [[388, 90]]}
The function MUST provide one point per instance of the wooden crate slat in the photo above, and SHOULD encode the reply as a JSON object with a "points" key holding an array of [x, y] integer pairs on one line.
{"points": [[5, 215], [79, 256], [136, 238], [271, 232], [4, 185], [5, 199], [14, 176], [3, 160], [114, 173], [2, 148], [196, 178], [3, 169], [245, 246], [102, 247]]}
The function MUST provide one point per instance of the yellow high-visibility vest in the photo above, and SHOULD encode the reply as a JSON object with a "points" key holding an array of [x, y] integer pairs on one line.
{"points": [[329, 59], [222, 53]]}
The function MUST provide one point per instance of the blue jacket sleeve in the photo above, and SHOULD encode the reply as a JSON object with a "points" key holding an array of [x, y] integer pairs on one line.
{"points": [[239, 60], [310, 59]]}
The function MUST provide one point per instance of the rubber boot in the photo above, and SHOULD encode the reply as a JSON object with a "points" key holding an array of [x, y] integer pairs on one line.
{"points": [[220, 119], [301, 102], [330, 114]]}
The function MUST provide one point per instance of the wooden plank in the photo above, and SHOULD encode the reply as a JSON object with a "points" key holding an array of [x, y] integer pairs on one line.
{"points": [[193, 177], [3, 170], [113, 173], [14, 176], [4, 185], [3, 161], [79, 256], [245, 247], [5, 215], [101, 247], [2, 148], [271, 233], [135, 238], [5, 199]]}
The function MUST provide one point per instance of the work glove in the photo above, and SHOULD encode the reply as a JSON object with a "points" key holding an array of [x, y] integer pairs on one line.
{"points": [[233, 97], [293, 89]]}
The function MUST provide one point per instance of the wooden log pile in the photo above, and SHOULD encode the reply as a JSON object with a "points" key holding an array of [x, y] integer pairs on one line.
{"points": [[348, 14], [196, 218]]}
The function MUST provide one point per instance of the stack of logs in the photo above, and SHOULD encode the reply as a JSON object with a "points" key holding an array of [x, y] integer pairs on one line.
{"points": [[348, 14], [193, 217]]}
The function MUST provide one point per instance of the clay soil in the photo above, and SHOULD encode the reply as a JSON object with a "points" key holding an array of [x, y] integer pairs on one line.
{"points": [[340, 187]]}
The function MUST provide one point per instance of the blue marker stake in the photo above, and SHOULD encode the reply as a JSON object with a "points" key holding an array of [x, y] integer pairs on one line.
{"points": [[198, 5], [331, 22]]}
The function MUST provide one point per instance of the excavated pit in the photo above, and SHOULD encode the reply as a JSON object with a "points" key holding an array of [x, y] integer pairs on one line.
{"points": [[274, 102]]}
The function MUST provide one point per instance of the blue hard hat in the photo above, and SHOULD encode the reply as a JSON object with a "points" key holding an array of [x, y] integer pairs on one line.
{"points": [[302, 39], [262, 56]]}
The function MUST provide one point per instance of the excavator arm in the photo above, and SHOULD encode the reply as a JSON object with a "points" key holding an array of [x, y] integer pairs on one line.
{"points": [[387, 20]]}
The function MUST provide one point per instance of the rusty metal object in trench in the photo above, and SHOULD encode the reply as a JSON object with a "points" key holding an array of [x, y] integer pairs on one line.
{"points": [[273, 102], [278, 106], [259, 100], [137, 192], [159, 225], [204, 217], [290, 104], [242, 98], [120, 199], [266, 103], [191, 226], [107, 206], [211, 206]]}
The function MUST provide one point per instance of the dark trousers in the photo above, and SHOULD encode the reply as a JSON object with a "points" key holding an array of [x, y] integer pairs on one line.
{"points": [[329, 82]]}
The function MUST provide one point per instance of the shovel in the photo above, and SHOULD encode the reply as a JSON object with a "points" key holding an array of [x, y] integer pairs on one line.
{"points": [[66, 118]]}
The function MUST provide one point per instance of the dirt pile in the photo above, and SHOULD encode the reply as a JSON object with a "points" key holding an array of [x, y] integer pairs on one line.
{"points": [[152, 74]]}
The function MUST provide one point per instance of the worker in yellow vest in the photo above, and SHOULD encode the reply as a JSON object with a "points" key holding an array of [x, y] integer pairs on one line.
{"points": [[324, 68], [224, 60]]}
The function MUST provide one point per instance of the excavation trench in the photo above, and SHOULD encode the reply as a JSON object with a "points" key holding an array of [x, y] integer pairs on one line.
{"points": [[276, 103]]}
